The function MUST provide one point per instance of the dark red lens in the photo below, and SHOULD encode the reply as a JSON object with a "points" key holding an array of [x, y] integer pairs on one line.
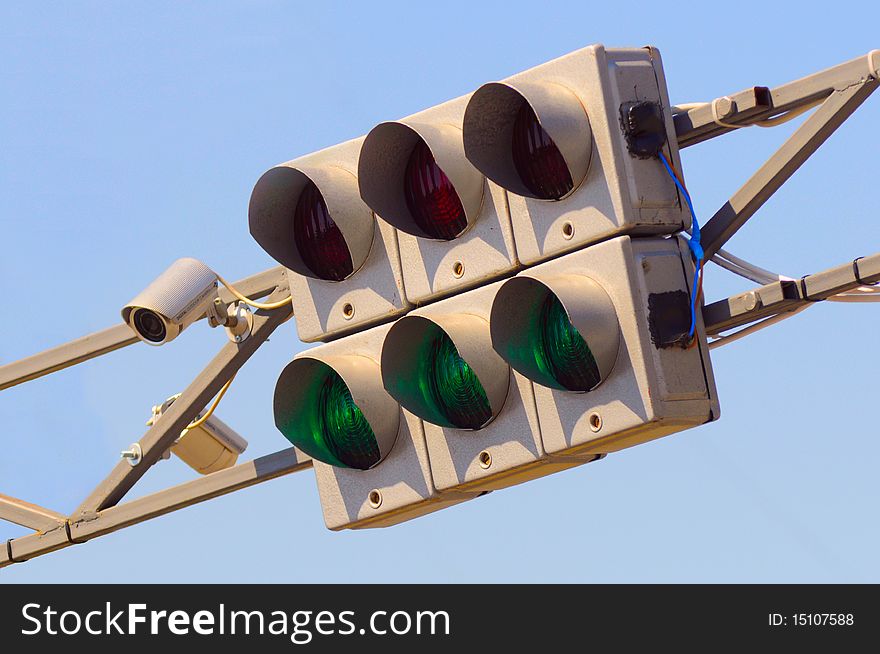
{"points": [[538, 161], [431, 197], [318, 239]]}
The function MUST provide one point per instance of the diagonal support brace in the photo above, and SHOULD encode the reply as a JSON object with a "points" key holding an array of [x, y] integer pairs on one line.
{"points": [[166, 430], [781, 166]]}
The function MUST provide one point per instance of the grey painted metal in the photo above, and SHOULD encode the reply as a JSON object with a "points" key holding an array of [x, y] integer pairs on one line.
{"points": [[431, 268], [92, 525], [615, 192], [326, 309], [244, 475], [747, 307], [256, 286], [699, 123], [845, 277], [786, 295], [783, 163], [64, 356], [41, 542], [29, 515], [166, 430], [113, 338]]}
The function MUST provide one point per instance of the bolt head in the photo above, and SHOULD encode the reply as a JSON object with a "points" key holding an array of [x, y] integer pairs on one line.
{"points": [[724, 106]]}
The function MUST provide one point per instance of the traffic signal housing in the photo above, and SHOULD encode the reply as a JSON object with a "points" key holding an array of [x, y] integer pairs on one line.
{"points": [[453, 225], [370, 458], [344, 266], [603, 334], [524, 305], [481, 428], [575, 142]]}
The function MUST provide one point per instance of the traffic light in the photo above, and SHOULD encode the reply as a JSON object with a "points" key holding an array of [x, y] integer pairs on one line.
{"points": [[525, 305], [343, 265], [574, 141], [370, 458], [454, 229], [602, 333], [481, 427]]}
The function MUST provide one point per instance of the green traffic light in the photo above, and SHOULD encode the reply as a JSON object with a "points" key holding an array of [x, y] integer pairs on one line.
{"points": [[423, 370], [453, 386], [329, 426], [560, 351]]}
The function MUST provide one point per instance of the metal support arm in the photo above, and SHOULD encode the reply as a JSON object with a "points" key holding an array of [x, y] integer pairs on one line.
{"points": [[783, 164], [72, 531], [788, 295], [700, 121], [29, 515], [113, 338], [101, 512], [167, 428], [840, 90]]}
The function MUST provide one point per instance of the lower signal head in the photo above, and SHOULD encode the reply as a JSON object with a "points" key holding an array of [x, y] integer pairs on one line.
{"points": [[444, 370], [560, 332]]}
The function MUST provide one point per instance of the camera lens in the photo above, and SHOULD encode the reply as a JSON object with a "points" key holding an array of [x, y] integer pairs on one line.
{"points": [[149, 325]]}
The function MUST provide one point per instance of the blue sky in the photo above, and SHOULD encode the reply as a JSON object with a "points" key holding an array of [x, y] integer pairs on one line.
{"points": [[132, 134]]}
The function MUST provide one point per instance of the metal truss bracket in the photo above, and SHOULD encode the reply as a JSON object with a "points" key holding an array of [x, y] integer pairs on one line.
{"points": [[788, 295], [838, 92], [101, 512]]}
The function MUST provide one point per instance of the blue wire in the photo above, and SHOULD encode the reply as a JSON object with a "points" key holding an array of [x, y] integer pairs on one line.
{"points": [[694, 244]]}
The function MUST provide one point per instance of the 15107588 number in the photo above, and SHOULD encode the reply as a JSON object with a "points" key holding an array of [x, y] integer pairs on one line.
{"points": [[811, 620]]}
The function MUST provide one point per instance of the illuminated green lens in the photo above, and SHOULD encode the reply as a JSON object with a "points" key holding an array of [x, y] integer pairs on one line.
{"points": [[330, 427], [561, 351], [346, 430], [432, 380], [453, 386]]}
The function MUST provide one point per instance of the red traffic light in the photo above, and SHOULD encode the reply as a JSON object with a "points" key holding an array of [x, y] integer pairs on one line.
{"points": [[430, 196], [538, 161], [318, 239]]}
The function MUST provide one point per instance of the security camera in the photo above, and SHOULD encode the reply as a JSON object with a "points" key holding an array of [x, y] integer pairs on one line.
{"points": [[208, 447], [172, 302]]}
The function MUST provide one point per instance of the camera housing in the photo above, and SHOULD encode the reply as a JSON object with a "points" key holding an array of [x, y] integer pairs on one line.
{"points": [[206, 448], [172, 302]]}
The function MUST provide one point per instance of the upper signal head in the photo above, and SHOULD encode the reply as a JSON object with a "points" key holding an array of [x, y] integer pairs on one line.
{"points": [[312, 220], [416, 177], [534, 139]]}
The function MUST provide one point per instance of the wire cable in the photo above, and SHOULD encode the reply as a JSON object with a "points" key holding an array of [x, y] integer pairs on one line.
{"points": [[788, 115], [695, 246], [782, 118], [204, 418], [755, 273], [258, 305], [751, 329]]}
